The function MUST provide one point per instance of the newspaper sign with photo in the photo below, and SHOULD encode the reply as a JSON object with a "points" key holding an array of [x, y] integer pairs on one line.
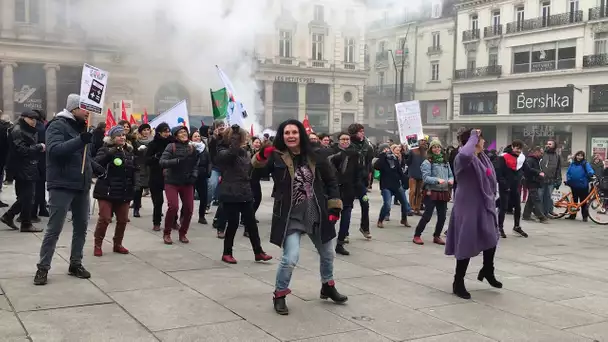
{"points": [[93, 87], [409, 123]]}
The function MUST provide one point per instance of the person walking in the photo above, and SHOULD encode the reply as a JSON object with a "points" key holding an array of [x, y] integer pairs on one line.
{"points": [[156, 180], [180, 163], [577, 178], [40, 206], [204, 171], [473, 226], [306, 201], [438, 179], [140, 145], [391, 175], [509, 172], [414, 161], [23, 159], [68, 183], [365, 152], [235, 193], [534, 181], [115, 188], [551, 166]]}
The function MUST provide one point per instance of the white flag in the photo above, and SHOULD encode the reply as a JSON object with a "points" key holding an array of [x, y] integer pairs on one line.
{"points": [[175, 116]]}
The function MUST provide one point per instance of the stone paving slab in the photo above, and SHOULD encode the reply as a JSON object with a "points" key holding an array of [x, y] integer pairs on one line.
{"points": [[555, 288]]}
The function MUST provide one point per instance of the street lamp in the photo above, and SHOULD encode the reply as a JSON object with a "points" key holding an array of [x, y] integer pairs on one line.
{"points": [[396, 73], [570, 85]]}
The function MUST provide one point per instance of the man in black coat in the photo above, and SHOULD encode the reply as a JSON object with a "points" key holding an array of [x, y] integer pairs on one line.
{"points": [[534, 181], [5, 126], [24, 150], [39, 208]]}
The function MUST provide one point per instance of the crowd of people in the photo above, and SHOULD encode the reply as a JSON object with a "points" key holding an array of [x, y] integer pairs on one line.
{"points": [[316, 182]]}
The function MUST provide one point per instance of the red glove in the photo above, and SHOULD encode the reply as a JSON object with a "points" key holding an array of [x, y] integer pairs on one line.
{"points": [[265, 153], [334, 215]]}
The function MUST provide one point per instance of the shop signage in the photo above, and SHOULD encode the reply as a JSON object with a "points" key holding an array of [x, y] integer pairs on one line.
{"points": [[547, 100], [30, 88], [168, 95], [599, 146], [539, 131], [294, 79]]}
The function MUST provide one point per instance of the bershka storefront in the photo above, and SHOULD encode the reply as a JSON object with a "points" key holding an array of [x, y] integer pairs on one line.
{"points": [[542, 101]]}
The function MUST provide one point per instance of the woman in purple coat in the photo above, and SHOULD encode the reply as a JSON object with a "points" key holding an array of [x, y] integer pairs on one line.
{"points": [[473, 224]]}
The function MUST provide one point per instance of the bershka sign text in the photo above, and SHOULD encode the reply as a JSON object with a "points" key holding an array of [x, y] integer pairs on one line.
{"points": [[547, 100]]}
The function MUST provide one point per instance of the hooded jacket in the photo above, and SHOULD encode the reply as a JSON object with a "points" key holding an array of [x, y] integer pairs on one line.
{"points": [[578, 174], [24, 151], [155, 149], [509, 170], [117, 184]]}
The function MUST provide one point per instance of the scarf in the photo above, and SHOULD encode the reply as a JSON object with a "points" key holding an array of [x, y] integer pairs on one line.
{"points": [[436, 158]]}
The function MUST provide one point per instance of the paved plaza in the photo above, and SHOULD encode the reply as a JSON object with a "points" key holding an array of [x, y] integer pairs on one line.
{"points": [[555, 288]]}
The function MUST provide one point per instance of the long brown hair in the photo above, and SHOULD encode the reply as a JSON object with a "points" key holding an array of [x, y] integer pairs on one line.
{"points": [[233, 133]]}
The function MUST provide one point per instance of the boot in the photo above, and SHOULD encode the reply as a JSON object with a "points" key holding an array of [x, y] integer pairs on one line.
{"points": [[41, 277], [136, 213], [280, 305], [97, 251], [328, 290], [44, 212], [167, 239], [202, 220], [459, 290], [263, 257], [183, 238], [438, 240], [404, 222], [229, 259], [156, 228], [417, 240], [3, 205], [488, 274], [341, 250], [118, 247], [30, 228], [9, 221], [502, 232], [34, 219]]}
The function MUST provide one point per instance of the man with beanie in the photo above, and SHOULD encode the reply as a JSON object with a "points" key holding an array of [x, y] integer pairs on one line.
{"points": [[68, 186], [365, 154], [23, 163]]}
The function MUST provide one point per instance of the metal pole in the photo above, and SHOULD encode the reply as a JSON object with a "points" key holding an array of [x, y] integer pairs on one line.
{"points": [[396, 74], [402, 73]]}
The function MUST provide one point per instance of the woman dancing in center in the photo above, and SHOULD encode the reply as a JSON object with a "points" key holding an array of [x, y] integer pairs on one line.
{"points": [[473, 224], [306, 201]]}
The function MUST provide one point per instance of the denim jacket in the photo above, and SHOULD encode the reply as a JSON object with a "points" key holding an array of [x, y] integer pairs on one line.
{"points": [[431, 173]]}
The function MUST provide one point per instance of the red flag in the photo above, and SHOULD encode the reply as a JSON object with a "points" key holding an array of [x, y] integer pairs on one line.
{"points": [[124, 112], [132, 120], [306, 124], [110, 122], [251, 130], [145, 118]]}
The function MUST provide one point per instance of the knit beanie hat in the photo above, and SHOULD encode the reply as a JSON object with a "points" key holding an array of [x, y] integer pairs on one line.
{"points": [[176, 129], [73, 102], [434, 142], [116, 131], [162, 127], [142, 127], [382, 147]]}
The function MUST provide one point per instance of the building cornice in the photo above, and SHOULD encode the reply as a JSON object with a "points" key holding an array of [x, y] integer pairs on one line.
{"points": [[472, 3]]}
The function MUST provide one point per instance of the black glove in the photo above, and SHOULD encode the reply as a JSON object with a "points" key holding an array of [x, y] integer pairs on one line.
{"points": [[235, 128], [86, 137]]}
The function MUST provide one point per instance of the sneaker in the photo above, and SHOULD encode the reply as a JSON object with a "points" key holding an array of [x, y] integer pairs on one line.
{"points": [[417, 240], [8, 221], [502, 233], [438, 240], [366, 234], [29, 228], [202, 220], [341, 250], [97, 251], [520, 232], [263, 257], [346, 240], [79, 271], [229, 259], [41, 277]]}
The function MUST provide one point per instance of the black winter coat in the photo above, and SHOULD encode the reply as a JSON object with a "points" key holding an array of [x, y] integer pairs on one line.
{"points": [[41, 128], [156, 178], [24, 152], [235, 165], [117, 184], [5, 127], [390, 172], [64, 150], [325, 187], [204, 163], [414, 161], [213, 145], [532, 173], [508, 178], [180, 163], [350, 176]]}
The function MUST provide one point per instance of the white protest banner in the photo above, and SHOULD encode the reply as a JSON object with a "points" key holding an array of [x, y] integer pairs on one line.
{"points": [[409, 122], [93, 88]]}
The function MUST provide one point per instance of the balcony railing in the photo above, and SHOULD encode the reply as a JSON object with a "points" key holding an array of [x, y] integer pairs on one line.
{"points": [[492, 31], [546, 21], [594, 61], [561, 64], [318, 64], [349, 66], [433, 50], [470, 35], [388, 90], [597, 13], [487, 71], [382, 56]]}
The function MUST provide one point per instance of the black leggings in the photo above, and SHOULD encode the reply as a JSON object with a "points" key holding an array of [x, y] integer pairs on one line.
{"points": [[201, 189], [463, 264], [157, 195], [245, 209], [256, 188]]}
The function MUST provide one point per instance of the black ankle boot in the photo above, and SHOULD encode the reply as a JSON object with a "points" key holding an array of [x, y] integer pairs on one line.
{"points": [[341, 250], [459, 290], [502, 232], [328, 290], [488, 273], [280, 305], [136, 213]]}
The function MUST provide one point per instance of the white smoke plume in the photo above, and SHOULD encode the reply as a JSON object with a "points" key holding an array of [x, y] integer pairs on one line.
{"points": [[192, 36]]}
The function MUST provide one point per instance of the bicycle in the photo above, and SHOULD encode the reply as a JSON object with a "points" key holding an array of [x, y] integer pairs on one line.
{"points": [[597, 205]]}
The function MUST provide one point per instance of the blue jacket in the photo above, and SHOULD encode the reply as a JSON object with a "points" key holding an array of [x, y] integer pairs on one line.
{"points": [[577, 176], [432, 173], [64, 150]]}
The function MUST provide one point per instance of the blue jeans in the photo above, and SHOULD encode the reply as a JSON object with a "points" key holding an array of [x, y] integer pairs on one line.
{"points": [[212, 187], [387, 199], [345, 223], [545, 197], [291, 254], [60, 201]]}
